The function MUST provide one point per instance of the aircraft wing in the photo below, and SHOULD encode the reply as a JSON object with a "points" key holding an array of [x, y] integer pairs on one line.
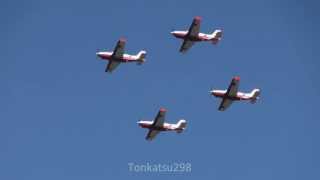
{"points": [[195, 27], [225, 103], [187, 44], [151, 134], [159, 120], [119, 49], [112, 65], [233, 87]]}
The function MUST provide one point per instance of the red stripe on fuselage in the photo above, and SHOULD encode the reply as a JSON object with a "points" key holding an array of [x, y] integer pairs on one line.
{"points": [[223, 95], [123, 59], [163, 128], [197, 38]]}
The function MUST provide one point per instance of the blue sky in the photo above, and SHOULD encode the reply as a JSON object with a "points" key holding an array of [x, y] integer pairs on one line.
{"points": [[63, 117]]}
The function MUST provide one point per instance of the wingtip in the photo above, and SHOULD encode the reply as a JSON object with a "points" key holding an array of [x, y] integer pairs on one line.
{"points": [[237, 78], [163, 109], [198, 18], [123, 39], [182, 51]]}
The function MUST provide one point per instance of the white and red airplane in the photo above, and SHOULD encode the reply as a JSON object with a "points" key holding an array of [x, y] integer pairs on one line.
{"points": [[232, 94], [117, 56], [159, 125], [193, 35]]}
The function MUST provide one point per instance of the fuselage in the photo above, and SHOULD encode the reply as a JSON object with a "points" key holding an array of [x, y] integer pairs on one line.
{"points": [[238, 97], [165, 127], [124, 58], [198, 37]]}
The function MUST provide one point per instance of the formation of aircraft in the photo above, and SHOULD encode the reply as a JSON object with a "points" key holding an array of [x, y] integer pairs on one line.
{"points": [[117, 56], [232, 94], [159, 124], [193, 35], [189, 37]]}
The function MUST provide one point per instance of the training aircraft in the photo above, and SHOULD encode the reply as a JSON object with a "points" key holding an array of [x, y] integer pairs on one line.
{"points": [[193, 35], [232, 94], [159, 125], [117, 56]]}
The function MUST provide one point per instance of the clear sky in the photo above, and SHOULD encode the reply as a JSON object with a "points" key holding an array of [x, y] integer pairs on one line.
{"points": [[62, 117]]}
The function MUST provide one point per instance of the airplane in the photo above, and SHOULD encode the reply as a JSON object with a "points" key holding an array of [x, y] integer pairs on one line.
{"points": [[193, 35], [117, 56], [232, 94], [159, 125]]}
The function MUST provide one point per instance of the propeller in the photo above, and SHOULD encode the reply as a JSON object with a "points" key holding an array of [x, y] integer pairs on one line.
{"points": [[98, 50], [97, 57], [210, 92], [172, 29]]}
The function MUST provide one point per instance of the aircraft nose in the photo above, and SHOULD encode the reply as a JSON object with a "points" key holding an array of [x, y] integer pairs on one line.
{"points": [[213, 92], [175, 34], [140, 123], [99, 54]]}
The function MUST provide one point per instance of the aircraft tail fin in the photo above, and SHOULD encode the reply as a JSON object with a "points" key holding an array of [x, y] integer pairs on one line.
{"points": [[141, 57], [181, 125], [254, 95], [216, 36]]}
